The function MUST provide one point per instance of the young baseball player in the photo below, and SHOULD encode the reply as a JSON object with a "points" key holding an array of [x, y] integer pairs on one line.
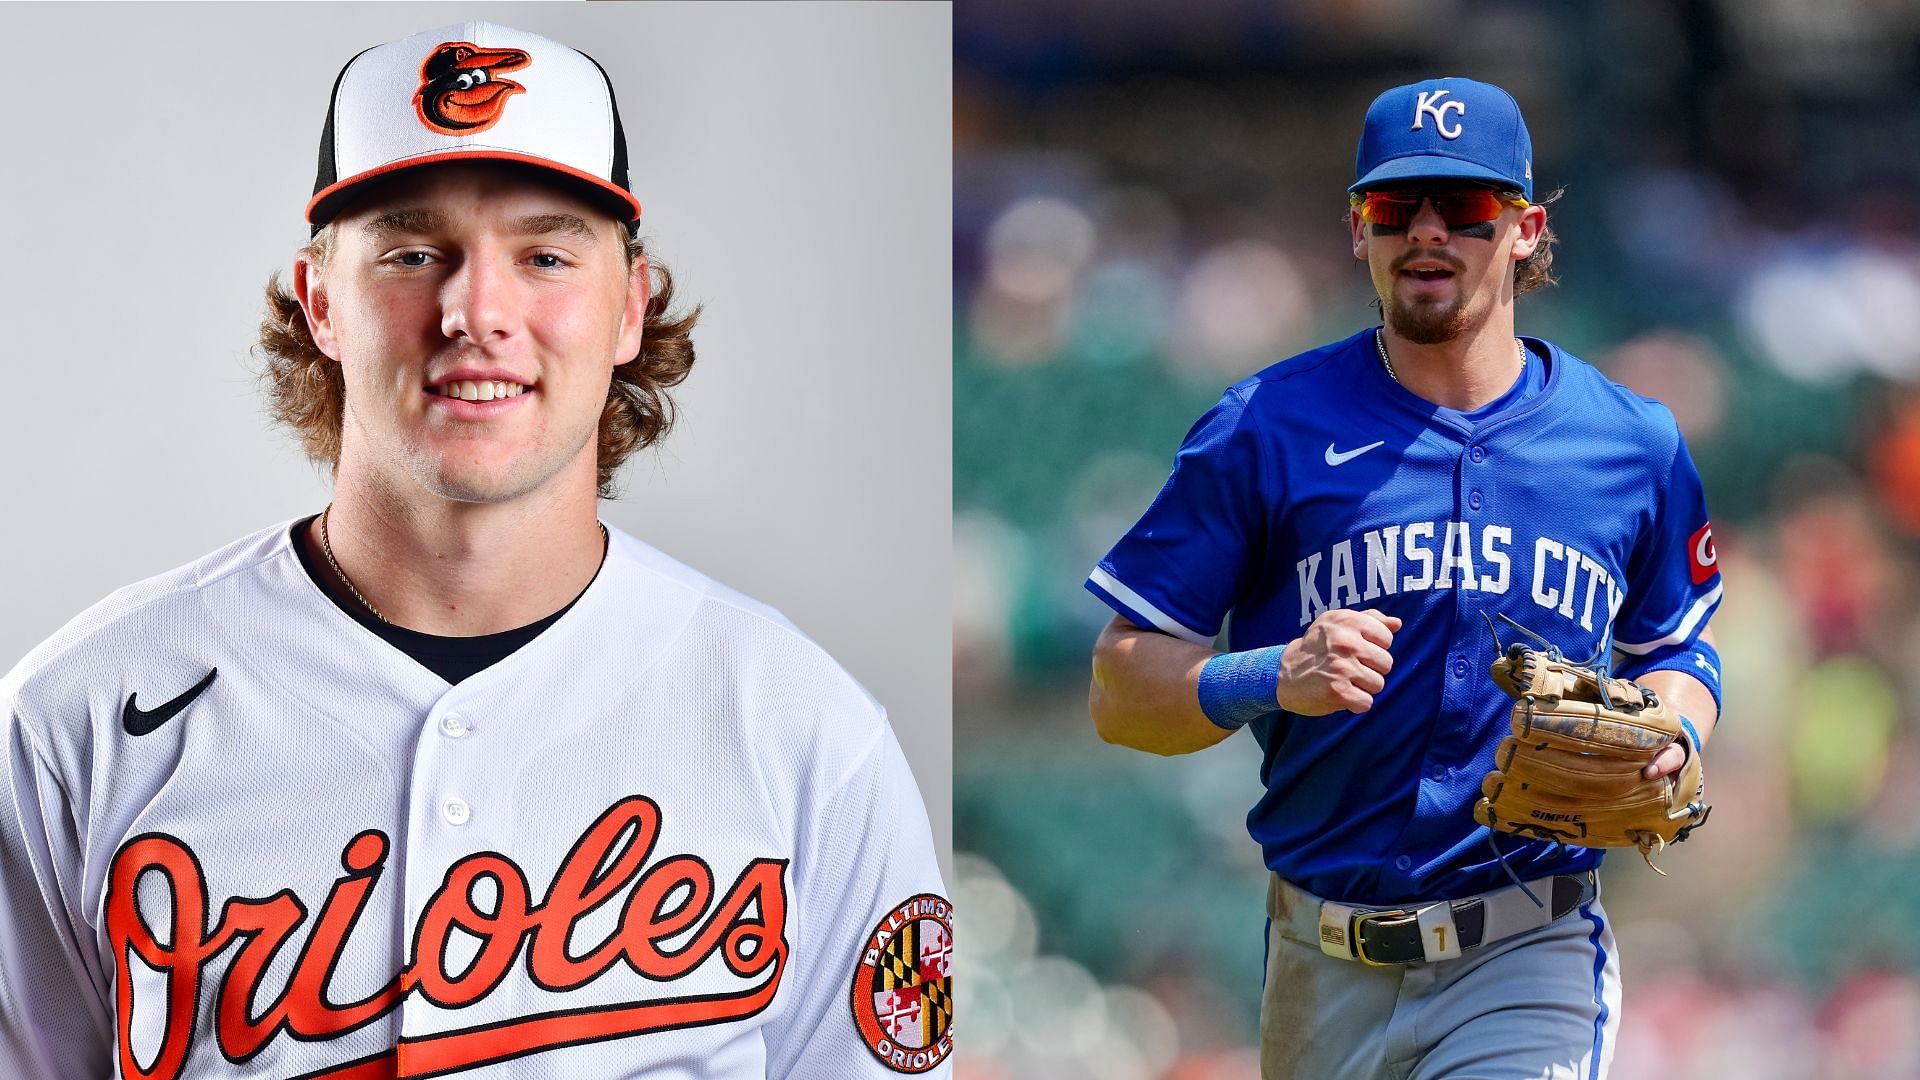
{"points": [[1363, 513], [450, 778]]}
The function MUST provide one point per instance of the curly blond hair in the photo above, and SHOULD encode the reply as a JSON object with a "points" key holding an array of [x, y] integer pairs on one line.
{"points": [[305, 390]]}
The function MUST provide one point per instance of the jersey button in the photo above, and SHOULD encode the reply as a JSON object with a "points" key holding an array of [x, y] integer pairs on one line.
{"points": [[1477, 455], [454, 726], [1402, 863], [1473, 500], [1438, 774], [456, 811], [1459, 667]]}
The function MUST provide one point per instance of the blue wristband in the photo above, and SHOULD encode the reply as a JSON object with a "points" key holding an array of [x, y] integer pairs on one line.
{"points": [[1700, 660], [1241, 686]]}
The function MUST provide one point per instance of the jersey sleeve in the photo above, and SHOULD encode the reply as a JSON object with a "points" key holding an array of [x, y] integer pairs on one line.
{"points": [[1181, 568], [54, 1020], [873, 990], [1673, 577]]}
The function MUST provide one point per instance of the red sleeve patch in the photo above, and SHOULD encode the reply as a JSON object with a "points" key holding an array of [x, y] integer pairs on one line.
{"points": [[1705, 561], [903, 986]]}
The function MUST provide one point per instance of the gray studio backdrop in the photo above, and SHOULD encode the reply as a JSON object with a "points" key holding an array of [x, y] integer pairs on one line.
{"points": [[794, 162]]}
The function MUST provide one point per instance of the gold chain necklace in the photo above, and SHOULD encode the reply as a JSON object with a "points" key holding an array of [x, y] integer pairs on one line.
{"points": [[326, 545], [1380, 346]]}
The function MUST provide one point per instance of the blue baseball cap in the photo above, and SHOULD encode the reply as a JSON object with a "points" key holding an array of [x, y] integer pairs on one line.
{"points": [[1445, 129]]}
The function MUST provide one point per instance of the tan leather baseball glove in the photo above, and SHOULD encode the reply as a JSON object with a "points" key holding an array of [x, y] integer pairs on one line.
{"points": [[1570, 772]]}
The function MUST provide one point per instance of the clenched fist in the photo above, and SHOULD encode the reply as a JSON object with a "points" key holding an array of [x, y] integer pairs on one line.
{"points": [[1339, 663]]}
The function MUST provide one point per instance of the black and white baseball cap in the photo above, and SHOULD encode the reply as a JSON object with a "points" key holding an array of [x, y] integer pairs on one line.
{"points": [[473, 91]]}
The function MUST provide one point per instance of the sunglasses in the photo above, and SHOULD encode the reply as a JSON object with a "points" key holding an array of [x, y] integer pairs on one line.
{"points": [[1457, 207]]}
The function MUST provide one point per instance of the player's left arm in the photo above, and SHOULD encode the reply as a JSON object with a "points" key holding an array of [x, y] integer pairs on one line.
{"points": [[1693, 700], [1673, 589], [871, 969]]}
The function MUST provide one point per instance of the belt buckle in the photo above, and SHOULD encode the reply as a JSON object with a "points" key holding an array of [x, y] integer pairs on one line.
{"points": [[1360, 920]]}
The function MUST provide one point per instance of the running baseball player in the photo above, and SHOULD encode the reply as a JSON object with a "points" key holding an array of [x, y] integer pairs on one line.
{"points": [[450, 778], [1382, 519]]}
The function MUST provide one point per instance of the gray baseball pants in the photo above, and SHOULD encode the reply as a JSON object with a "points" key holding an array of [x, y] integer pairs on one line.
{"points": [[1541, 1005]]}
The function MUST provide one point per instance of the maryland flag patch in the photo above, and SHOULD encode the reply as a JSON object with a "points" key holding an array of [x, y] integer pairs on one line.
{"points": [[903, 986]]}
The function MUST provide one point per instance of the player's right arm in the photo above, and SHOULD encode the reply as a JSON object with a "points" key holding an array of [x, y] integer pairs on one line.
{"points": [[1145, 691], [1158, 685], [1146, 684], [54, 1021]]}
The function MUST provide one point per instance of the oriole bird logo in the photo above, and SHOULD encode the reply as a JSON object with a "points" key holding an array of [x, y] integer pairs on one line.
{"points": [[461, 89]]}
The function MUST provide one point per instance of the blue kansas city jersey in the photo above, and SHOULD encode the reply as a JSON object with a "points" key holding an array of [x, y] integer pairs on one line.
{"points": [[1321, 483]]}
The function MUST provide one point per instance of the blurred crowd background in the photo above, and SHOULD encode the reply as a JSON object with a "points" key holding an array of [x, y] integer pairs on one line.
{"points": [[1149, 205]]}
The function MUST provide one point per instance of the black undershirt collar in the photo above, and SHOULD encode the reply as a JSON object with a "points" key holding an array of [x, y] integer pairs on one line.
{"points": [[451, 658]]}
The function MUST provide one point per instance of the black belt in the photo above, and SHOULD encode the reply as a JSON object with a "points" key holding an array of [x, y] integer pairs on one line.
{"points": [[1393, 937], [1430, 931]]}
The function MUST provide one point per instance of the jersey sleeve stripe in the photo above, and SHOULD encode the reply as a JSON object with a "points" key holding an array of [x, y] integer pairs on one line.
{"points": [[1132, 604], [1680, 633]]}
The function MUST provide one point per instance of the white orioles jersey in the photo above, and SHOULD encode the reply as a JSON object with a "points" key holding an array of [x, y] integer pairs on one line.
{"points": [[241, 836]]}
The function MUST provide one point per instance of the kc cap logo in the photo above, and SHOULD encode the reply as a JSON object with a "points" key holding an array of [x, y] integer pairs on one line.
{"points": [[473, 91], [1429, 104], [1445, 129], [461, 88]]}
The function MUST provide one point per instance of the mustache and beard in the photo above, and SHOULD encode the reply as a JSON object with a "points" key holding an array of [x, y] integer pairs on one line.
{"points": [[1432, 320], [1429, 320]]}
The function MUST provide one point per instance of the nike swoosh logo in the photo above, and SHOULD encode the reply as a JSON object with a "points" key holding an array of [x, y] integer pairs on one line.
{"points": [[138, 721], [1334, 457]]}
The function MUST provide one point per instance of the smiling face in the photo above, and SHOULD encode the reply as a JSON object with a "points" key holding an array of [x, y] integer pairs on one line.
{"points": [[1436, 283], [477, 314]]}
